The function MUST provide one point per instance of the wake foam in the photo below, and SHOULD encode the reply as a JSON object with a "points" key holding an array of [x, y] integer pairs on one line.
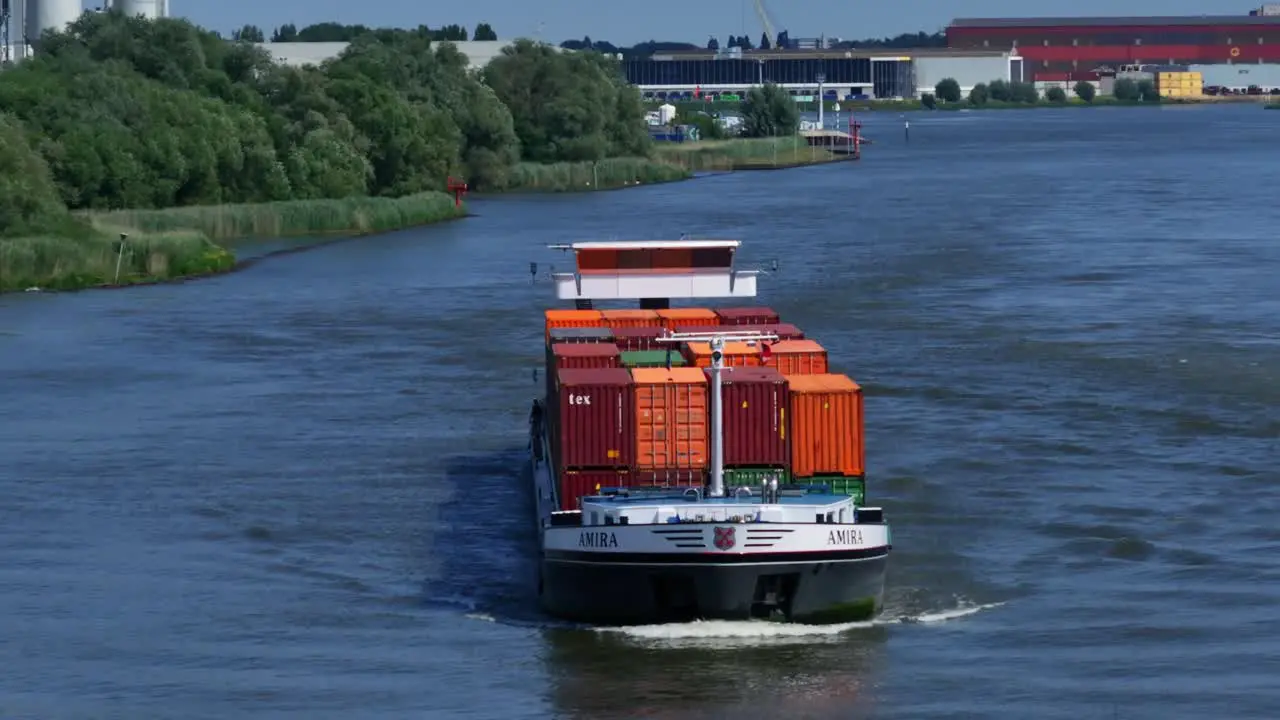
{"points": [[755, 632]]}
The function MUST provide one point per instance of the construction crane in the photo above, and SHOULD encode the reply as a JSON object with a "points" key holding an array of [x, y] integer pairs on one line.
{"points": [[767, 23]]}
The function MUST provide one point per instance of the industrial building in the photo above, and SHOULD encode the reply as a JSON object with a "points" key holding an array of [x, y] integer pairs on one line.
{"points": [[843, 74], [1076, 44], [22, 21], [478, 52]]}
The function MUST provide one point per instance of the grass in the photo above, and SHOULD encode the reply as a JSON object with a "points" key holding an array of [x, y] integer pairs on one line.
{"points": [[743, 154], [177, 243], [606, 174], [298, 218]]}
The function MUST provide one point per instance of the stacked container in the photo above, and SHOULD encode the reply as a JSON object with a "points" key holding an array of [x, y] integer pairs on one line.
{"points": [[671, 419], [735, 354], [628, 411], [1180, 84], [798, 357], [573, 319], [631, 318], [827, 432], [747, 316], [592, 426]]}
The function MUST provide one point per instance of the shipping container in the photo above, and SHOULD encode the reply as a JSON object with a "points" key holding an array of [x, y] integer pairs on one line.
{"points": [[595, 419], [585, 355], [631, 318], [756, 402], [577, 484], [671, 418], [572, 318], [798, 357], [687, 316], [826, 426], [784, 331], [736, 354], [747, 316], [580, 335], [654, 358], [638, 338], [754, 477], [854, 485], [669, 478]]}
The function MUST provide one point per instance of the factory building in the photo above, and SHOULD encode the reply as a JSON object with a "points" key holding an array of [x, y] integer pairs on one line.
{"points": [[842, 74], [1082, 44], [22, 21]]}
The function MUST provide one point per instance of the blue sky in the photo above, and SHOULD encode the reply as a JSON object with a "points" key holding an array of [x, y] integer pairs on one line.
{"points": [[627, 22]]}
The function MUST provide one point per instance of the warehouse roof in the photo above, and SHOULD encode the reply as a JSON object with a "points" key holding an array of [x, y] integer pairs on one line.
{"points": [[1115, 21]]}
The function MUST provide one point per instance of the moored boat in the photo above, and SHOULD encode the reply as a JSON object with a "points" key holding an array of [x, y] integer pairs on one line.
{"points": [[690, 463]]}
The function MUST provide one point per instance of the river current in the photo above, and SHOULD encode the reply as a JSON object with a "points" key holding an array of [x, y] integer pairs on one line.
{"points": [[295, 490]]}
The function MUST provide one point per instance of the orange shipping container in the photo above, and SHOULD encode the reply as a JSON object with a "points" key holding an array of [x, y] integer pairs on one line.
{"points": [[573, 318], [631, 318], [736, 354], [688, 316], [798, 357], [671, 418], [826, 426]]}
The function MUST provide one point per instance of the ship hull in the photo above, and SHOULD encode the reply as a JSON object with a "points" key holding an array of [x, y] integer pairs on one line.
{"points": [[613, 591], [802, 581]]}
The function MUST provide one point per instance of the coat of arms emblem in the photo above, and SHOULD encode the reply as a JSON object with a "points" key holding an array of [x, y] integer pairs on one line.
{"points": [[725, 537]]}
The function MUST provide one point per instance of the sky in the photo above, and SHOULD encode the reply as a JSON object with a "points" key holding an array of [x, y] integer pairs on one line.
{"points": [[625, 23]]}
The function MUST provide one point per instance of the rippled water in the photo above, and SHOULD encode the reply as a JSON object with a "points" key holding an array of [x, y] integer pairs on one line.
{"points": [[295, 490]]}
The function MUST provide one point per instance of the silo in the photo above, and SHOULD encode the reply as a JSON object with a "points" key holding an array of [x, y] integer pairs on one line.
{"points": [[149, 9], [49, 15]]}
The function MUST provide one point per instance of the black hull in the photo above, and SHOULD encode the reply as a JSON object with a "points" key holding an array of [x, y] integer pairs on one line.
{"points": [[639, 594]]}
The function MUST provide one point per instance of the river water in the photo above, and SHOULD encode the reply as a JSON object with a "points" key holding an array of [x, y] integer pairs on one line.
{"points": [[294, 490]]}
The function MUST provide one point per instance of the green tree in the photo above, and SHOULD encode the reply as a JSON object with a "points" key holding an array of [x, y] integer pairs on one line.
{"points": [[928, 101], [249, 33], [1085, 91], [979, 95], [1147, 91], [1056, 95], [1127, 90], [768, 111], [29, 202], [567, 106], [1024, 92], [484, 31], [1000, 91], [948, 90]]}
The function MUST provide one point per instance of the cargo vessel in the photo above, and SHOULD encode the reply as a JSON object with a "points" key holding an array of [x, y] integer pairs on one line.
{"points": [[695, 462]]}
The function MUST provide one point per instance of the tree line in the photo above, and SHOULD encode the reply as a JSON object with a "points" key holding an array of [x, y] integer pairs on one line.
{"points": [[121, 112], [649, 48], [337, 32]]}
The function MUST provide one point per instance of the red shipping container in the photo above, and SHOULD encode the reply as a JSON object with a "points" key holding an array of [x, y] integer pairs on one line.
{"points": [[586, 355], [756, 420], [784, 331], [595, 418], [577, 484], [747, 316], [638, 338]]}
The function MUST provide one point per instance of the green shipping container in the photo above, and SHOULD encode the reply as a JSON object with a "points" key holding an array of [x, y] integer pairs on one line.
{"points": [[754, 477], [841, 485], [651, 358]]}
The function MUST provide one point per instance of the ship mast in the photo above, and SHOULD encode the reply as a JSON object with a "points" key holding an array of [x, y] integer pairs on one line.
{"points": [[717, 341]]}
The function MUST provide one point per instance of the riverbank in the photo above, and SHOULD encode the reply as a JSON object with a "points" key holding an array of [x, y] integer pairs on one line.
{"points": [[173, 244], [179, 243], [670, 162], [744, 154], [874, 106]]}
